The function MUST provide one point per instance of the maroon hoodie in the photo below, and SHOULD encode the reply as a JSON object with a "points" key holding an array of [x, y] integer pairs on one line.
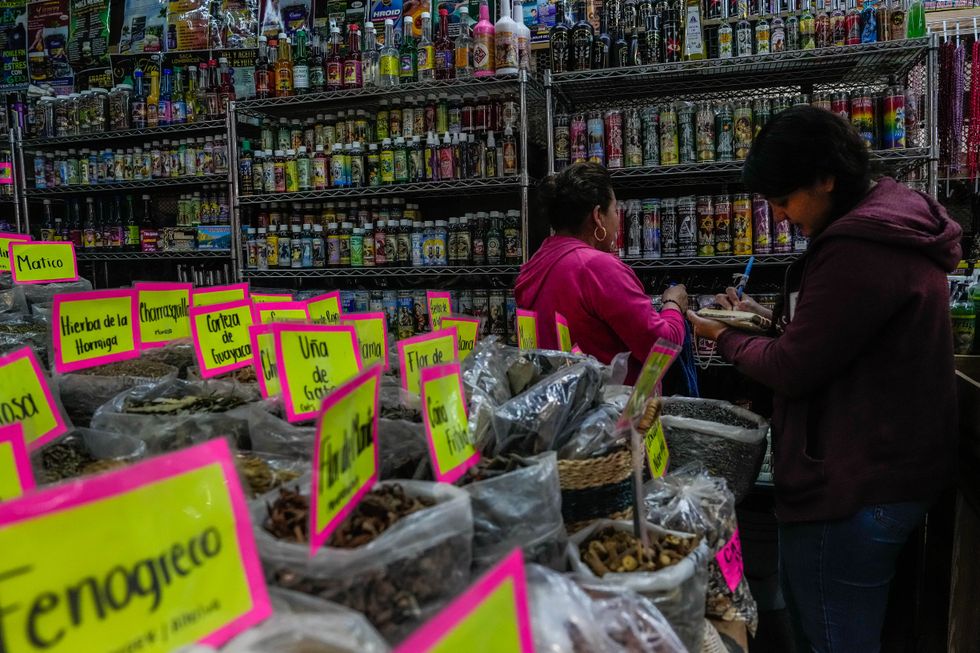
{"points": [[865, 398]]}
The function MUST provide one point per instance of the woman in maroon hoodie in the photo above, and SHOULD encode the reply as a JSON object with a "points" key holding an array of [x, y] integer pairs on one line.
{"points": [[861, 364], [575, 274]]}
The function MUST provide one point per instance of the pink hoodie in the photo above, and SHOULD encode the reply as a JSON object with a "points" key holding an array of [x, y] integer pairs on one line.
{"points": [[602, 299]]}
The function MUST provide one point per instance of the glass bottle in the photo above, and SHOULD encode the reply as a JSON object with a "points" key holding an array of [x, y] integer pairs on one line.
{"points": [[808, 29], [897, 16], [369, 57], [301, 64], [318, 74], [165, 105], [619, 52], [581, 38], [408, 52], [672, 34], [483, 44], [762, 35], [445, 49], [838, 26], [335, 62], [506, 57], [388, 61], [284, 68], [725, 45], [523, 36], [852, 24], [743, 36], [463, 46], [138, 105], [693, 32], [823, 35], [192, 108], [426, 50], [559, 41], [602, 44], [226, 87], [353, 64]]}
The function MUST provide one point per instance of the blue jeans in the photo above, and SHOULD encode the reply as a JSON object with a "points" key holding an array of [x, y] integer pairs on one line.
{"points": [[835, 575]]}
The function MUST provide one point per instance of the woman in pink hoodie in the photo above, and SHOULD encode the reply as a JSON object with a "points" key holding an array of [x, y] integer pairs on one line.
{"points": [[575, 273]]}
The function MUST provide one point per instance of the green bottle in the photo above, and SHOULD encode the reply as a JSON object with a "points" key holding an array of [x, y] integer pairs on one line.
{"points": [[408, 53], [916, 20]]}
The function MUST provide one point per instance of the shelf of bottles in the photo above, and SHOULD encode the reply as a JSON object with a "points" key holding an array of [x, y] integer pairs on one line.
{"points": [[445, 188], [711, 262], [93, 257], [115, 186], [183, 129], [366, 273]]}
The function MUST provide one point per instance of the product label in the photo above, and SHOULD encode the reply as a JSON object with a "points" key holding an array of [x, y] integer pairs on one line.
{"points": [[221, 338], [662, 354], [426, 350], [42, 261], [264, 359], [26, 399], [270, 312], [16, 476], [564, 334], [324, 309], [5, 239], [219, 294], [345, 457], [440, 306], [730, 561], [151, 580], [263, 298], [507, 55], [467, 333], [312, 361], [493, 612], [693, 44], [527, 329], [446, 427], [164, 312], [372, 337], [656, 445], [94, 328]]}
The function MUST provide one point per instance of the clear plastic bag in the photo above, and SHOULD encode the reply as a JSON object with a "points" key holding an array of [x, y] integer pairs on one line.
{"points": [[692, 501], [18, 331], [275, 436], [335, 630], [83, 393], [403, 450], [14, 301], [521, 508], [730, 442], [179, 354], [83, 452], [678, 591], [397, 580], [43, 293], [598, 436], [566, 619]]}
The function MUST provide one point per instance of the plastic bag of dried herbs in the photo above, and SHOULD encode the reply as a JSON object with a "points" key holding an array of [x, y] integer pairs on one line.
{"points": [[17, 331], [272, 435], [261, 473], [396, 403], [403, 450], [13, 301], [174, 414], [43, 293], [677, 589], [730, 442], [597, 435], [84, 391], [336, 630], [83, 452], [397, 579], [565, 618], [693, 501], [516, 503], [179, 354]]}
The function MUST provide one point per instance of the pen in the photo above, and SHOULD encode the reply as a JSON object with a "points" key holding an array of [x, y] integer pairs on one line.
{"points": [[745, 277]]}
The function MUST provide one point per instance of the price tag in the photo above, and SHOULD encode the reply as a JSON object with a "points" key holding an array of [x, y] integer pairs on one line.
{"points": [[467, 333], [372, 336], [345, 456], [42, 261], [492, 615], [325, 309], [264, 359], [446, 427], [271, 312], [656, 445], [262, 298], [564, 333], [26, 399], [440, 306], [16, 476], [164, 310], [730, 561], [221, 338], [577, 350], [423, 351], [662, 354], [94, 328], [312, 361], [527, 329], [235, 292], [5, 239], [161, 555]]}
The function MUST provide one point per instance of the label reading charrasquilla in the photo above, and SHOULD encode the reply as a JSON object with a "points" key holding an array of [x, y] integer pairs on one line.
{"points": [[164, 311]]}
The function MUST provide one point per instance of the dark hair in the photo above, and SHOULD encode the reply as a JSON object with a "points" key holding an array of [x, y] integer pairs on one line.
{"points": [[567, 198], [804, 145]]}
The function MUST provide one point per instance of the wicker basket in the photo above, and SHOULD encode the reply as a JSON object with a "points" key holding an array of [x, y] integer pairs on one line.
{"points": [[595, 488]]}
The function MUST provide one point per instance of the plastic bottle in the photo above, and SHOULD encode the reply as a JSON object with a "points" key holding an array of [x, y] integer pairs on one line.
{"points": [[916, 20], [490, 157], [408, 53], [505, 37], [426, 51], [370, 57], [964, 316], [388, 59], [483, 44], [463, 46], [368, 245], [387, 159]]}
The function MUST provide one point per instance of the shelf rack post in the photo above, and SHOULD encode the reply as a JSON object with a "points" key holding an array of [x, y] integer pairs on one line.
{"points": [[231, 127], [549, 111], [20, 181], [932, 112], [525, 177]]}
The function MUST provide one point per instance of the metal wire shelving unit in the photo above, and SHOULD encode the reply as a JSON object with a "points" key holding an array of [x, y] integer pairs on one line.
{"points": [[185, 129], [116, 186], [375, 273], [493, 185], [98, 257]]}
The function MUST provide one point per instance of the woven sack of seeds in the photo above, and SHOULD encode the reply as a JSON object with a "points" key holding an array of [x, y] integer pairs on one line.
{"points": [[335, 630], [677, 587], [566, 618], [84, 391], [174, 414], [693, 501], [399, 578], [516, 503], [83, 452], [730, 442]]}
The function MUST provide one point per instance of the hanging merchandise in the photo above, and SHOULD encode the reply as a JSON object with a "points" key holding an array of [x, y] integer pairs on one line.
{"points": [[952, 56], [144, 27], [47, 56], [88, 43], [973, 135], [271, 20], [238, 25], [295, 15], [13, 45], [189, 25]]}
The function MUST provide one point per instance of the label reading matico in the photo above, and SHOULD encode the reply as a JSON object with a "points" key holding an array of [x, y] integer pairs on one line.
{"points": [[325, 309], [372, 336], [42, 262], [25, 399], [264, 359], [164, 310], [467, 333], [440, 306], [426, 350], [219, 294], [446, 427], [345, 456], [271, 312], [312, 361], [94, 328], [16, 476], [221, 339], [492, 615], [563, 332], [527, 329], [656, 445], [137, 580], [5, 239]]}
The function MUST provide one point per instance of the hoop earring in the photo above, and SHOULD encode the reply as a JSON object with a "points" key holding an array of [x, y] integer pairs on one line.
{"points": [[595, 233]]}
